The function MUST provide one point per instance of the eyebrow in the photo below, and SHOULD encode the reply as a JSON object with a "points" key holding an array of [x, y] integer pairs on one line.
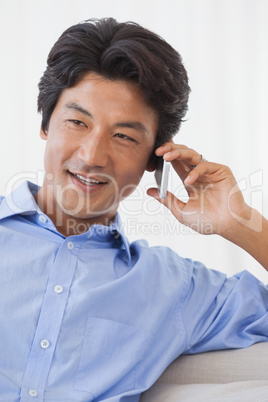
{"points": [[135, 125], [76, 106]]}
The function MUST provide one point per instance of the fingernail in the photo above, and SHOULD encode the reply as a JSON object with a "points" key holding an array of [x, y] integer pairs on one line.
{"points": [[187, 180], [166, 155]]}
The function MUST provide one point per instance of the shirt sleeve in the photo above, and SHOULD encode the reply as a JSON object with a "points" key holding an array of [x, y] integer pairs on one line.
{"points": [[220, 312]]}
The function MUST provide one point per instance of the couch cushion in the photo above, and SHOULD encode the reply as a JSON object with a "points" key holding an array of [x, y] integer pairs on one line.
{"points": [[222, 366], [246, 391], [224, 375]]}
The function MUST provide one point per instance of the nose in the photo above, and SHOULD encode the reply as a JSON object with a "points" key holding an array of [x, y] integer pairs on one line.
{"points": [[94, 149]]}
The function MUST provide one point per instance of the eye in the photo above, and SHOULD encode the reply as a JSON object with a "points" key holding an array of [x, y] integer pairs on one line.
{"points": [[78, 123], [125, 137]]}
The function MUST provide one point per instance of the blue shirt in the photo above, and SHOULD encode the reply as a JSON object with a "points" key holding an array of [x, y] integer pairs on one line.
{"points": [[94, 318]]}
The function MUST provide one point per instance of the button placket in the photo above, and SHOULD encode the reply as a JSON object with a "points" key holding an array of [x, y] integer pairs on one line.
{"points": [[53, 307], [70, 245], [32, 392], [44, 343], [58, 289], [42, 218]]}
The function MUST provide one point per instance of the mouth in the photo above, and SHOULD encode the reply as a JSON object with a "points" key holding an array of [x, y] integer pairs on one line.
{"points": [[89, 182]]}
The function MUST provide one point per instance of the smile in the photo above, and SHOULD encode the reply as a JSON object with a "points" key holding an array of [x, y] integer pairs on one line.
{"points": [[87, 181]]}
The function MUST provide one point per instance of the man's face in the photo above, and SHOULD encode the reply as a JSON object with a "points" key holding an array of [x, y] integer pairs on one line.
{"points": [[100, 137]]}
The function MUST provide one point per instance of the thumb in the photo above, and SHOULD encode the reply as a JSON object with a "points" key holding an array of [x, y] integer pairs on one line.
{"points": [[175, 205]]}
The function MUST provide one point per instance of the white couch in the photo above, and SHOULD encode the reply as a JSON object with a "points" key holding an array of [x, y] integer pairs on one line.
{"points": [[239, 375]]}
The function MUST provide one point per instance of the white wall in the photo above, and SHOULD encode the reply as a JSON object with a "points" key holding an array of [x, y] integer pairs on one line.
{"points": [[224, 45]]}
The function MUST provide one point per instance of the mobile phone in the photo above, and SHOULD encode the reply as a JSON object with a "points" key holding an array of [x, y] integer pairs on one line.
{"points": [[161, 176]]}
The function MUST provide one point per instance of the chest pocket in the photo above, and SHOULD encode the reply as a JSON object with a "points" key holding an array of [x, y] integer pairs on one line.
{"points": [[110, 354]]}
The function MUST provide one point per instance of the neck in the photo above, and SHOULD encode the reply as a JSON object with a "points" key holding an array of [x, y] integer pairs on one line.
{"points": [[68, 224]]}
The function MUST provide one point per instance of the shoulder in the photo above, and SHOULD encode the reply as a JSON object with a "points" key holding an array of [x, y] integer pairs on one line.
{"points": [[162, 260], [166, 254], [165, 262]]}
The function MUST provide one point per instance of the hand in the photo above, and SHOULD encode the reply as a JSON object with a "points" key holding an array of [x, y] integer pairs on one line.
{"points": [[215, 204]]}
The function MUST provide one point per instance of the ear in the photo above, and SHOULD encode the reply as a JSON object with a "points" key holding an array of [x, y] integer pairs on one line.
{"points": [[151, 166], [43, 134]]}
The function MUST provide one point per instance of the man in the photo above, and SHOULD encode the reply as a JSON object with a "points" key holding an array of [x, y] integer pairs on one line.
{"points": [[86, 316]]}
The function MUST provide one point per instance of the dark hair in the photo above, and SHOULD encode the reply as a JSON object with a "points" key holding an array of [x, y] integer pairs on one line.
{"points": [[123, 51]]}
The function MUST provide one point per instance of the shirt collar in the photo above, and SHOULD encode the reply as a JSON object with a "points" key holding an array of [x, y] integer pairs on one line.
{"points": [[118, 232], [21, 201]]}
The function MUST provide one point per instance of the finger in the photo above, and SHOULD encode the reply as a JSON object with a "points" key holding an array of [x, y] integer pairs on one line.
{"points": [[175, 205], [181, 169], [183, 160], [186, 155], [175, 152], [203, 168], [167, 147]]}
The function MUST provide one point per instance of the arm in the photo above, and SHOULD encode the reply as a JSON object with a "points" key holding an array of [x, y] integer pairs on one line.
{"points": [[215, 204], [252, 236]]}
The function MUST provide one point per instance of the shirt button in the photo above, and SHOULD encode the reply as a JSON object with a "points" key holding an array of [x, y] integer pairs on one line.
{"points": [[32, 392], [58, 289], [42, 218], [70, 245], [44, 344]]}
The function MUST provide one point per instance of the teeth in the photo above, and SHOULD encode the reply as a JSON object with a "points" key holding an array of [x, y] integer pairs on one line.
{"points": [[87, 181]]}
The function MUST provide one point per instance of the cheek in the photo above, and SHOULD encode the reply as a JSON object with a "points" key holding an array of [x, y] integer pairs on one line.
{"points": [[131, 169], [50, 158], [128, 177], [56, 153]]}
